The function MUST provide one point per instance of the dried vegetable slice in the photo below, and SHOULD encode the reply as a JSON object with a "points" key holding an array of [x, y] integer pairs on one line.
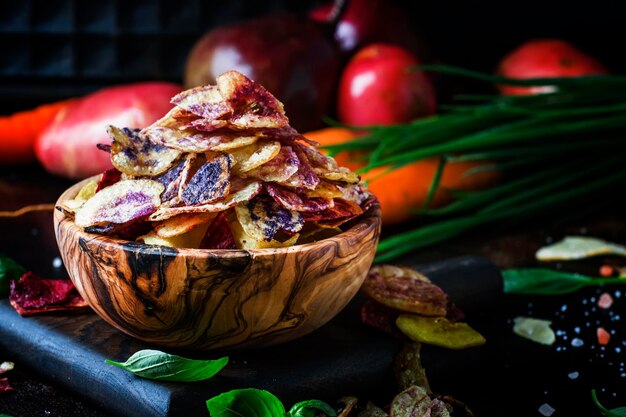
{"points": [[33, 294], [405, 289], [210, 183], [262, 218], [5, 386], [109, 177], [135, 154], [439, 331], [227, 149], [278, 169], [120, 203]]}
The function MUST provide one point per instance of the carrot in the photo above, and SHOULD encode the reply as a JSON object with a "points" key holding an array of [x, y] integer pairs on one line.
{"points": [[405, 190], [19, 131]]}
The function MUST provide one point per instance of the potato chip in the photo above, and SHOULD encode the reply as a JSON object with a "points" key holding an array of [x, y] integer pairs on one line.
{"points": [[176, 118], [85, 193], [121, 203], [245, 241], [415, 402], [180, 224], [325, 189], [354, 193], [405, 289], [240, 195], [340, 174], [171, 180], [219, 234], [234, 143], [579, 247], [255, 155], [206, 102], [439, 331], [210, 183], [253, 106], [278, 169], [262, 218], [293, 201], [317, 160], [189, 239], [135, 154], [305, 177]]}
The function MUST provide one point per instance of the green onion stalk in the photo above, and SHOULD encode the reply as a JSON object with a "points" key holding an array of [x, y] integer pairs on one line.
{"points": [[556, 151]]}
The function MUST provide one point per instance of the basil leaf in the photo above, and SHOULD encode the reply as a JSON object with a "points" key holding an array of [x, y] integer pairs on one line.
{"points": [[9, 270], [543, 281], [311, 408], [248, 402], [616, 412], [154, 364]]}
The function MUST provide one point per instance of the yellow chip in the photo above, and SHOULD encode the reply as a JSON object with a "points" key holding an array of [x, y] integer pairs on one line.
{"points": [[340, 174], [181, 224], [190, 239], [85, 193], [439, 331], [255, 155], [235, 143], [244, 241]]}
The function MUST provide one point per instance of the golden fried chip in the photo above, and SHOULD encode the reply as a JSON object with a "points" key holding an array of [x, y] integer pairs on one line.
{"points": [[181, 224], [251, 156], [278, 169], [244, 241], [206, 102], [339, 174], [262, 218], [120, 203], [135, 154], [190, 239]]}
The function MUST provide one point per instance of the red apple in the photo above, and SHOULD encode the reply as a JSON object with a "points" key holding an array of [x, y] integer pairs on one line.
{"points": [[288, 55], [378, 86], [369, 21], [67, 147], [545, 58]]}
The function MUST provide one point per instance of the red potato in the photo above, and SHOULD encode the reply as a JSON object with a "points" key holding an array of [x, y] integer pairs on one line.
{"points": [[546, 58], [379, 87], [67, 147]]}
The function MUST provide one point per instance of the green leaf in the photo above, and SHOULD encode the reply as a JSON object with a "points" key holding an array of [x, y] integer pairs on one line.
{"points": [[311, 408], [616, 412], [154, 364], [248, 402], [541, 281], [9, 270]]}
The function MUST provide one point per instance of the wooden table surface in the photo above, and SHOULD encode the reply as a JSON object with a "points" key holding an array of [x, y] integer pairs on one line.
{"points": [[29, 239]]}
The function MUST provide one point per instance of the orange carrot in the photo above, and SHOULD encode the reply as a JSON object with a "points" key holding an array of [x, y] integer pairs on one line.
{"points": [[404, 190], [19, 131]]}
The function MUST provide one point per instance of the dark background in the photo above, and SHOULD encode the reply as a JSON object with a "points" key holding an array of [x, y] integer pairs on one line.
{"points": [[53, 49]]}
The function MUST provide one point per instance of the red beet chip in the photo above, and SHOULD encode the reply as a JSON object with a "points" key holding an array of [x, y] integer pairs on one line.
{"points": [[218, 235], [4, 385], [109, 177], [292, 201], [341, 210], [33, 294], [405, 289], [381, 317]]}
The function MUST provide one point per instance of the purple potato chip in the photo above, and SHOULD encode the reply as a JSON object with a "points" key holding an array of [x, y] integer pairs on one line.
{"points": [[341, 210], [135, 154], [120, 203], [171, 180], [262, 218], [292, 201], [240, 193], [210, 183]]}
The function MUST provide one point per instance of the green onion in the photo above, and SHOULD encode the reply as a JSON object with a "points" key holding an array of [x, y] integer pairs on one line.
{"points": [[554, 150]]}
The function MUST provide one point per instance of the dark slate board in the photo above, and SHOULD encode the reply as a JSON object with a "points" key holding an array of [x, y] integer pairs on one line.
{"points": [[343, 357]]}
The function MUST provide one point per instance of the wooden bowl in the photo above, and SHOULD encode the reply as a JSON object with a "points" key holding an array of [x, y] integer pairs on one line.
{"points": [[208, 299]]}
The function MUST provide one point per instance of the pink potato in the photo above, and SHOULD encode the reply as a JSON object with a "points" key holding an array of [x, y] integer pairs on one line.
{"points": [[67, 147]]}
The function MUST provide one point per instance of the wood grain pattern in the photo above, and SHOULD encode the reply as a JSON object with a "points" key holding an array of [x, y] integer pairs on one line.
{"points": [[208, 299]]}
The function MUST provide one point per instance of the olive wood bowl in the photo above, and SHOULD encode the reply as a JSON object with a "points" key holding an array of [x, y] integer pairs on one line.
{"points": [[209, 299]]}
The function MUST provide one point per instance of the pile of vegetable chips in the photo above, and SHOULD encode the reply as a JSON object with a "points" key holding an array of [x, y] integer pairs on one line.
{"points": [[222, 170]]}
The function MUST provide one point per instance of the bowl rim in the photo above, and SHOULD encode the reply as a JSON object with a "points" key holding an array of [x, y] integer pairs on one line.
{"points": [[371, 218]]}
